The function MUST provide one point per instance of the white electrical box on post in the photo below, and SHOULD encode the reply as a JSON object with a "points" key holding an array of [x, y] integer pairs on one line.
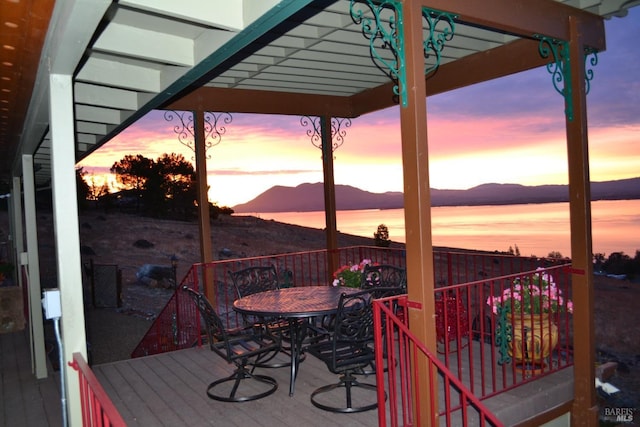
{"points": [[51, 303]]}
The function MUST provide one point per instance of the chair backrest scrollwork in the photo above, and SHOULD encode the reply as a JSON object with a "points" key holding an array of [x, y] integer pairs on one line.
{"points": [[214, 327], [354, 318], [384, 276], [252, 280]]}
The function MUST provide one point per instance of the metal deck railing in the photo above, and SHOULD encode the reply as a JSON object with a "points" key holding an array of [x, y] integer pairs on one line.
{"points": [[466, 326], [97, 408], [447, 402]]}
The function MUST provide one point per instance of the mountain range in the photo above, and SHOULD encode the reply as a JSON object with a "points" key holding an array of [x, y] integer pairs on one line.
{"points": [[310, 197]]}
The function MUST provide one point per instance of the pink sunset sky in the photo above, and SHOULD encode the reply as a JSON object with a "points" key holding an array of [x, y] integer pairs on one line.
{"points": [[510, 130]]}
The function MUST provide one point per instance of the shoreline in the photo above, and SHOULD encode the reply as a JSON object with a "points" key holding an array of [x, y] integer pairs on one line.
{"points": [[537, 230], [446, 205]]}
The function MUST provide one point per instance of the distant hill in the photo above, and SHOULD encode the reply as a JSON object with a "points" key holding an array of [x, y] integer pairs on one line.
{"points": [[310, 197]]}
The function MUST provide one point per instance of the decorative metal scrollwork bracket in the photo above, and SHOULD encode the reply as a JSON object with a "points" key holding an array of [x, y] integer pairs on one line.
{"points": [[435, 41], [214, 127], [314, 131], [590, 58], [374, 16], [560, 68], [375, 30], [504, 335]]}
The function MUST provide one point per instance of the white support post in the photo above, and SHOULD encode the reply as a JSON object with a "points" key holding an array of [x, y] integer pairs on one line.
{"points": [[36, 327], [65, 221], [15, 212]]}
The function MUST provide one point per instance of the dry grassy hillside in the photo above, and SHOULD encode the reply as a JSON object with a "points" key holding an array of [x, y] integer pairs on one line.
{"points": [[111, 238]]}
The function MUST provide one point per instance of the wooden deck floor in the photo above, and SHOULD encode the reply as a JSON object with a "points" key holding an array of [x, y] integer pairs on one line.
{"points": [[170, 390], [25, 400]]}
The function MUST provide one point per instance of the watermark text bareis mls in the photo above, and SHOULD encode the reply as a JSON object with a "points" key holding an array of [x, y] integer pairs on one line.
{"points": [[619, 414]]}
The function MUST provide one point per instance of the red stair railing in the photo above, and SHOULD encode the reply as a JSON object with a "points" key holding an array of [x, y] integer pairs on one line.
{"points": [[97, 409], [400, 401]]}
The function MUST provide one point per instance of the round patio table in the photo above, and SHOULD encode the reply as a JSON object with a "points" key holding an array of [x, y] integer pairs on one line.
{"points": [[293, 304]]}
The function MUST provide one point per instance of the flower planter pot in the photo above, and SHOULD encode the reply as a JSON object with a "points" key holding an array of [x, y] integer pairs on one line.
{"points": [[534, 337]]}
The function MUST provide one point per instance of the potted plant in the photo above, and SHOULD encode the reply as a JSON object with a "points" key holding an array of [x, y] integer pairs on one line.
{"points": [[527, 312], [350, 275]]}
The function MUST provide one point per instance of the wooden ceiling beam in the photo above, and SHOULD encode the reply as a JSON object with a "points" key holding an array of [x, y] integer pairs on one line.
{"points": [[262, 102], [526, 18], [511, 58]]}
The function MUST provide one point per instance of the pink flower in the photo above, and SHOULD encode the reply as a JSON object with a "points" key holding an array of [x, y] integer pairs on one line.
{"points": [[532, 294], [350, 275], [493, 304]]}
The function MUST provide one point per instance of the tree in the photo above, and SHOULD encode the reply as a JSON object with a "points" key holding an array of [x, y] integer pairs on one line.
{"points": [[94, 191], [82, 188], [166, 186], [619, 263], [381, 236], [177, 184], [178, 175], [598, 261], [554, 255], [512, 251], [133, 171]]}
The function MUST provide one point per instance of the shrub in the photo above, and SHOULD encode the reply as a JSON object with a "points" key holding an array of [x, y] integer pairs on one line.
{"points": [[381, 236], [621, 263]]}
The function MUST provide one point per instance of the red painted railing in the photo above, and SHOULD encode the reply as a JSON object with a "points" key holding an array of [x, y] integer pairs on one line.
{"points": [[469, 343], [448, 400], [455, 267], [464, 322], [172, 330], [306, 269], [97, 408]]}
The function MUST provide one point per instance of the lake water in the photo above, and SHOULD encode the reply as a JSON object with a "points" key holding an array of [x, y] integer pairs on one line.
{"points": [[536, 229]]}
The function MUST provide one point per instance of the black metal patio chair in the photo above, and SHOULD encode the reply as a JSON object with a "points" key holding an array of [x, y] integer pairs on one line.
{"points": [[347, 352], [251, 280], [384, 276], [245, 348], [384, 280]]}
